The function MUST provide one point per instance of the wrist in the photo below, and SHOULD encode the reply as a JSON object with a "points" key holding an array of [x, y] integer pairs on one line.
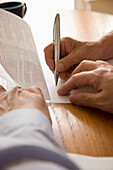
{"points": [[105, 47], [93, 50]]}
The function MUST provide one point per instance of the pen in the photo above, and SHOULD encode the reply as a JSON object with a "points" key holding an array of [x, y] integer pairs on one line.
{"points": [[56, 41]]}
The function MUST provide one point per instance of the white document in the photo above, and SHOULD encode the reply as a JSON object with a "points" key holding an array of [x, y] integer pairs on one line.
{"points": [[92, 163], [52, 88], [5, 80]]}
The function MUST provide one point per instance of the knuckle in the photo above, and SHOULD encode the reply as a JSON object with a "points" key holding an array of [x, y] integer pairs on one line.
{"points": [[17, 87], [14, 90], [83, 63], [35, 88], [73, 79], [101, 71], [101, 63], [66, 39], [95, 80]]}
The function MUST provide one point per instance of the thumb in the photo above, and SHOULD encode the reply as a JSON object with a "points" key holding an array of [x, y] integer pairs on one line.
{"points": [[84, 98]]}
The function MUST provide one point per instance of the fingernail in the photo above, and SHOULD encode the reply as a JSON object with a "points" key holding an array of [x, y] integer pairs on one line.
{"points": [[59, 92], [60, 66]]}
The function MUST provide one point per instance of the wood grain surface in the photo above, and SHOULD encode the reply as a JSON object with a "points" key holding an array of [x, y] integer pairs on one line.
{"points": [[83, 130], [79, 129]]}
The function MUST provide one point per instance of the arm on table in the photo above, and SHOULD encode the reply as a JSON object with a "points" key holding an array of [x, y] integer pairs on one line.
{"points": [[26, 123]]}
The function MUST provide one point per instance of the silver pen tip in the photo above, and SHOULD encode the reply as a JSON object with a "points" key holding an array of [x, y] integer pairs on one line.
{"points": [[56, 81]]}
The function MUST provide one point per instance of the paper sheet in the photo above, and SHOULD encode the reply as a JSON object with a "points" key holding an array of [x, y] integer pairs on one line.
{"points": [[92, 163], [18, 53], [5, 80], [52, 88]]}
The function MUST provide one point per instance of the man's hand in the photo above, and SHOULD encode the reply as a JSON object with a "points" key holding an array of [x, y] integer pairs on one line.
{"points": [[73, 52], [97, 74], [19, 98]]}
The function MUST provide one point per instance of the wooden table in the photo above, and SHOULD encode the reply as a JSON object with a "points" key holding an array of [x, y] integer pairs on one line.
{"points": [[81, 130]]}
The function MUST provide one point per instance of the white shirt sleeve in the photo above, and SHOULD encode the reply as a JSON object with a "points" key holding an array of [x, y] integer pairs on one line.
{"points": [[28, 126]]}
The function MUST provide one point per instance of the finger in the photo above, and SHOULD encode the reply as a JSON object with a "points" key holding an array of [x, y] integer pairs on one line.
{"points": [[49, 53], [64, 75], [35, 90], [74, 57], [79, 80], [12, 93], [2, 89], [15, 90], [39, 93], [85, 65], [66, 46], [84, 99], [49, 56]]}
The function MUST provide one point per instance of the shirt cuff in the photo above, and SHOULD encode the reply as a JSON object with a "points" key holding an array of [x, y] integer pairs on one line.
{"points": [[28, 126], [23, 117]]}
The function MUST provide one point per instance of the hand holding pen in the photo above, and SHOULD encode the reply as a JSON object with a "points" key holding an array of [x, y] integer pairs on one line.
{"points": [[72, 52]]}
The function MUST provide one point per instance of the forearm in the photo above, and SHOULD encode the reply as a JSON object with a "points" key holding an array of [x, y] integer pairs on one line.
{"points": [[101, 49], [27, 126], [26, 138], [106, 46]]}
